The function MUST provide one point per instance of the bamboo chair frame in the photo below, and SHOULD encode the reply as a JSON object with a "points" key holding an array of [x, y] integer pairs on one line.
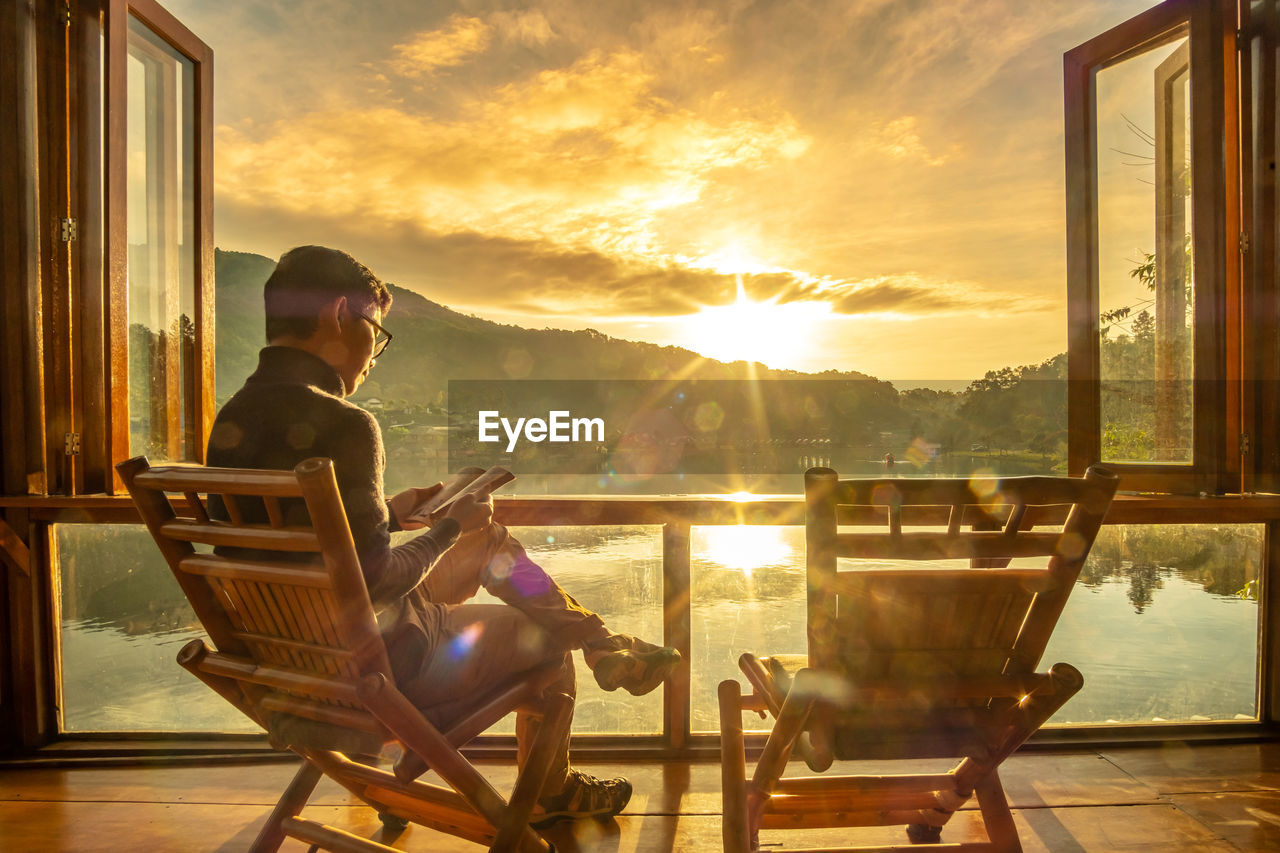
{"points": [[300, 639], [913, 662]]}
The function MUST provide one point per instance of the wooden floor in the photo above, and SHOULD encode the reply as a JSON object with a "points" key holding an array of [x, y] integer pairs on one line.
{"points": [[1168, 798]]}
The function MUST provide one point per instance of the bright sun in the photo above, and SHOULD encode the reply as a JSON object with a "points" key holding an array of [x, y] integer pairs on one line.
{"points": [[776, 335]]}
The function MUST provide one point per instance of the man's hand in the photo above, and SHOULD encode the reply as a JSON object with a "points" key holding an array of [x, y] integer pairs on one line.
{"points": [[403, 505], [470, 513]]}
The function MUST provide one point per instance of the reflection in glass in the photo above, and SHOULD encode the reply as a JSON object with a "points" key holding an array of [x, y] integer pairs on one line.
{"points": [[1164, 625], [1163, 622], [124, 618], [742, 604], [160, 228], [1145, 281]]}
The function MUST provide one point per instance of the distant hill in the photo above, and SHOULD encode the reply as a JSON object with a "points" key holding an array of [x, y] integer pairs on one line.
{"points": [[434, 344], [238, 280]]}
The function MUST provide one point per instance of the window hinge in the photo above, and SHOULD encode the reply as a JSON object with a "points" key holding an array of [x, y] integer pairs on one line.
{"points": [[65, 13], [1244, 242], [72, 444], [70, 229], [1244, 444]]}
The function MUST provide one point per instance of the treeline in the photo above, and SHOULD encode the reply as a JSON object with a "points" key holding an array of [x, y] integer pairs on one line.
{"points": [[1011, 410]]}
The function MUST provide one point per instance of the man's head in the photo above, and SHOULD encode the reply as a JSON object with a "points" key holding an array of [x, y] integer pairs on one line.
{"points": [[326, 302]]}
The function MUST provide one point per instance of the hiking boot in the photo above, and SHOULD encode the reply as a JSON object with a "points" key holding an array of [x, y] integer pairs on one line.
{"points": [[630, 663], [583, 796]]}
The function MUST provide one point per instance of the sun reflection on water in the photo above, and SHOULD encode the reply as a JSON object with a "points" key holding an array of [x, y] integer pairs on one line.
{"points": [[744, 547]]}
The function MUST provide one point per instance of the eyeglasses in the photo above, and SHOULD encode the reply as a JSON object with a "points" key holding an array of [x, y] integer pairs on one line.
{"points": [[381, 336]]}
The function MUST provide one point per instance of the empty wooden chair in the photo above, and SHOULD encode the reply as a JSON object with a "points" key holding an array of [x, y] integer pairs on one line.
{"points": [[913, 661], [296, 648]]}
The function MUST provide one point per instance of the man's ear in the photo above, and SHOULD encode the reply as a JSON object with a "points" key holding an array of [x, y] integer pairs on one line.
{"points": [[331, 316]]}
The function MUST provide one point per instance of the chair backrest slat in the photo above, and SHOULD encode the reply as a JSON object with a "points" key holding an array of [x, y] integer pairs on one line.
{"points": [[1031, 580], [222, 481], [917, 668], [955, 518], [1015, 520], [288, 574], [320, 605], [274, 516], [301, 646], [241, 535], [197, 507], [949, 491], [231, 502], [939, 546]]}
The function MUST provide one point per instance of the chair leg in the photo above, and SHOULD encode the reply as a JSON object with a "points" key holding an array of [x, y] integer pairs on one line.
{"points": [[737, 833], [996, 814], [290, 805], [415, 732], [796, 709], [524, 796]]}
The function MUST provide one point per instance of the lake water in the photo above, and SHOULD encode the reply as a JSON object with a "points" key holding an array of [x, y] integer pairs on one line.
{"points": [[1154, 625]]}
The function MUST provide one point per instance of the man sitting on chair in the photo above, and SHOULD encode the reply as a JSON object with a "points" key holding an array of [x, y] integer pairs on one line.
{"points": [[324, 311]]}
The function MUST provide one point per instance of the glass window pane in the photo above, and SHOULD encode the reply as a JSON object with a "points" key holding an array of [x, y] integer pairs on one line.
{"points": [[1145, 282], [748, 593], [1163, 622], [616, 572], [124, 618], [160, 226]]}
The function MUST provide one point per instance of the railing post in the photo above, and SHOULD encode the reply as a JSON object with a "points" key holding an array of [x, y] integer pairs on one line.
{"points": [[676, 629]]}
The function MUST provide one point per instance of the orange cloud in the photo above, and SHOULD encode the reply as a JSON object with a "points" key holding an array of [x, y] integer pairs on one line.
{"points": [[586, 156], [460, 39]]}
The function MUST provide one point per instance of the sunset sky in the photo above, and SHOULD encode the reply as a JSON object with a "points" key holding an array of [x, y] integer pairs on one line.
{"points": [[885, 177]]}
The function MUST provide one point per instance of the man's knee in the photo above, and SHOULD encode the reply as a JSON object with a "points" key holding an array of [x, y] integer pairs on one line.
{"points": [[466, 566]]}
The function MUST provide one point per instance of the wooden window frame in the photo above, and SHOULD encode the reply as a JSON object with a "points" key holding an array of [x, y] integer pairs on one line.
{"points": [[1210, 27], [28, 607], [198, 394], [1259, 42]]}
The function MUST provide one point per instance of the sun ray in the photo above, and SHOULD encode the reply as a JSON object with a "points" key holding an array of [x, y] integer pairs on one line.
{"points": [[771, 332]]}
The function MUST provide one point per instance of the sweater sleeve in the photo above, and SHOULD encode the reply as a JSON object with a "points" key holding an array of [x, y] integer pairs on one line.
{"points": [[389, 572]]}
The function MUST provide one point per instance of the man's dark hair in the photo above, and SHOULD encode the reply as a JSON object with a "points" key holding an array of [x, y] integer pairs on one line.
{"points": [[308, 277]]}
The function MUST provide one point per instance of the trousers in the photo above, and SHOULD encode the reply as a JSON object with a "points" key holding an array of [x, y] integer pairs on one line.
{"points": [[481, 646]]}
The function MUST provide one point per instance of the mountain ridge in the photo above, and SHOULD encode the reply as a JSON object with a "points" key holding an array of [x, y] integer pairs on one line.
{"points": [[463, 346]]}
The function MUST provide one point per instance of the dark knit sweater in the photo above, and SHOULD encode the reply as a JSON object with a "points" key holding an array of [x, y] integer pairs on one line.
{"points": [[292, 408]]}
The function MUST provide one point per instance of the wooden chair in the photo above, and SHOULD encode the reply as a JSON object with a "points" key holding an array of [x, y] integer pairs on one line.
{"points": [[298, 651], [913, 662]]}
